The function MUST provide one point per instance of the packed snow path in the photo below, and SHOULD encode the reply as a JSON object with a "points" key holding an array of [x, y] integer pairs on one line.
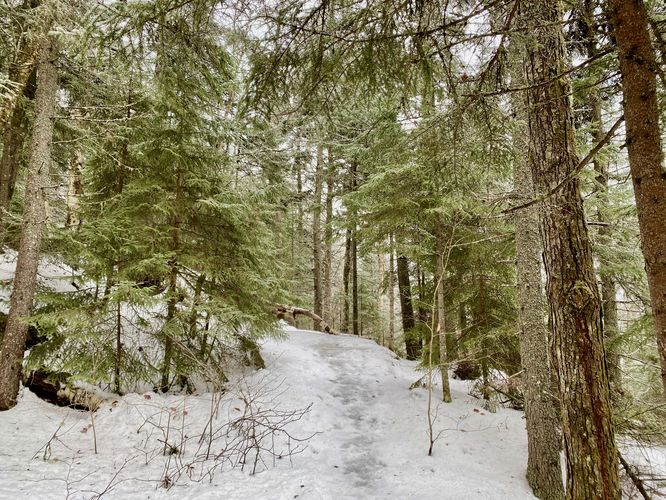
{"points": [[370, 441]]}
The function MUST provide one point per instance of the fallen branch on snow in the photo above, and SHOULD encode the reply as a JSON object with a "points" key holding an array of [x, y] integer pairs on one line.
{"points": [[282, 311]]}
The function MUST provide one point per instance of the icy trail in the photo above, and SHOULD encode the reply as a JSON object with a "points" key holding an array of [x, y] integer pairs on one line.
{"points": [[371, 439]]}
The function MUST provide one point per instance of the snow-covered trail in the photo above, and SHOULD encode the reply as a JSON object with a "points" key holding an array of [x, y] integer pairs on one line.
{"points": [[373, 441], [370, 437]]}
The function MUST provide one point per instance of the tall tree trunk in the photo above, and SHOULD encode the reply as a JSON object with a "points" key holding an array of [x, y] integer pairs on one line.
{"points": [[544, 473], [381, 272], [391, 296], [440, 329], [25, 277], [641, 113], [346, 273], [412, 341], [483, 327], [316, 234], [328, 236], [575, 306], [117, 362], [172, 291], [608, 287], [354, 255], [354, 273]]}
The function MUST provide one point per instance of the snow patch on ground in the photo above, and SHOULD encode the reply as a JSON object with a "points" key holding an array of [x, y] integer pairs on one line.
{"points": [[370, 438]]}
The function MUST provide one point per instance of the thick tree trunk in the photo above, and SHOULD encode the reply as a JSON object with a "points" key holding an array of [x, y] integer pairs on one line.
{"points": [[641, 113], [544, 473], [575, 306], [316, 233], [412, 341], [25, 278]]}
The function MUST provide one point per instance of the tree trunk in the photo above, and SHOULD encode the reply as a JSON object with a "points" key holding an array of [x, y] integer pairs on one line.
{"points": [[441, 312], [391, 296], [575, 306], [483, 327], [328, 236], [354, 272], [316, 233], [354, 256], [25, 278], [119, 351], [641, 113], [544, 473], [412, 342], [346, 272], [608, 287]]}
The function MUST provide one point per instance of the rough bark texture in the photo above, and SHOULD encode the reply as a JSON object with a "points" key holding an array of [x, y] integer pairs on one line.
{"points": [[25, 278], [641, 112], [316, 234], [544, 473], [573, 297], [412, 345]]}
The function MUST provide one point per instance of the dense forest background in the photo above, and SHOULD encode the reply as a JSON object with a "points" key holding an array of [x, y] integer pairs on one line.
{"points": [[477, 185]]}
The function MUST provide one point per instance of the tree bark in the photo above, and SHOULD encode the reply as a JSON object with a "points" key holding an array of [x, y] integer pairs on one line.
{"points": [[412, 344], [641, 113], [575, 306], [25, 278], [544, 473], [316, 233]]}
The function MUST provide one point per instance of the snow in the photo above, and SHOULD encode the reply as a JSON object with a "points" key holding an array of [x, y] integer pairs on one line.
{"points": [[370, 436]]}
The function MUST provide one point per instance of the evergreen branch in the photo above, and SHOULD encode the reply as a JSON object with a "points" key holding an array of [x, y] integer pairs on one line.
{"points": [[581, 164]]}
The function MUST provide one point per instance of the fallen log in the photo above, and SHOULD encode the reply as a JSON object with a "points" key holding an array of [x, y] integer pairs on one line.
{"points": [[56, 389], [282, 311]]}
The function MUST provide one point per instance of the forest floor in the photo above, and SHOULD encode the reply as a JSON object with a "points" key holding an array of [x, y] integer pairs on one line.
{"points": [[369, 436]]}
